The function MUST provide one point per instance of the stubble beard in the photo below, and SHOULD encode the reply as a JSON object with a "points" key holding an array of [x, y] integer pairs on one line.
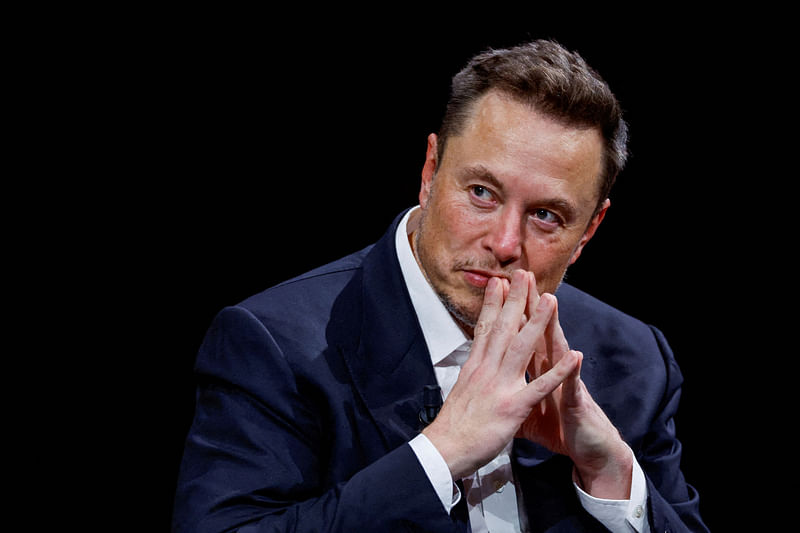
{"points": [[458, 312], [463, 314], [467, 317]]}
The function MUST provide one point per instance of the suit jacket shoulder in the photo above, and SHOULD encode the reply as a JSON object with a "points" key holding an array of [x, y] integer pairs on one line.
{"points": [[622, 355], [309, 293], [308, 393], [587, 317]]}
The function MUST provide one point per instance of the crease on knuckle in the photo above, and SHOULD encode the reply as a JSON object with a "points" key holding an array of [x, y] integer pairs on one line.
{"points": [[519, 346], [483, 327], [543, 385], [500, 325]]}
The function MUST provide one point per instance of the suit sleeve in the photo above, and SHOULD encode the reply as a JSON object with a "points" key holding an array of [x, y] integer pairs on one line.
{"points": [[255, 459], [673, 504]]}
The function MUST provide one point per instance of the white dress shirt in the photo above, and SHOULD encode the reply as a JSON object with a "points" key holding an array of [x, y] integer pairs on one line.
{"points": [[492, 498]]}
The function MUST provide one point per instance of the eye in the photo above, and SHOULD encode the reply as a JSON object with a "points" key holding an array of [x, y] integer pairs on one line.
{"points": [[546, 219], [545, 216], [481, 193]]}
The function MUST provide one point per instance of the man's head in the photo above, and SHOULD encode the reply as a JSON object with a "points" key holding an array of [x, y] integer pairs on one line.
{"points": [[551, 79], [519, 174]]}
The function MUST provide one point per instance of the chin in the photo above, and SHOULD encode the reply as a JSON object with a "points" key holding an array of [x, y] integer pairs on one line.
{"points": [[466, 314]]}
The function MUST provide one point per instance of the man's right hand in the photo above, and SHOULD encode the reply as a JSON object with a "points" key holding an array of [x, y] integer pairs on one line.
{"points": [[492, 397]]}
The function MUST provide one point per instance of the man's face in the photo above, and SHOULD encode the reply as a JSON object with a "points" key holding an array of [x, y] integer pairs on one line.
{"points": [[514, 190]]}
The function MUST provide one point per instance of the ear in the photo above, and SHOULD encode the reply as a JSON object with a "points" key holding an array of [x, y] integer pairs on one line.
{"points": [[428, 170], [589, 233]]}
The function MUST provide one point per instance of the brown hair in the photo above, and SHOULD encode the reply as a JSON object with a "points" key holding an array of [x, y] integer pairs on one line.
{"points": [[554, 81]]}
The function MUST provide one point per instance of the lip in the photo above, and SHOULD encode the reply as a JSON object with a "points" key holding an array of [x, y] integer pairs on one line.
{"points": [[480, 278]]}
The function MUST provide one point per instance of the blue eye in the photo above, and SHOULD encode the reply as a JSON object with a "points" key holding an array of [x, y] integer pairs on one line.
{"points": [[545, 216], [481, 192], [546, 219], [482, 195]]}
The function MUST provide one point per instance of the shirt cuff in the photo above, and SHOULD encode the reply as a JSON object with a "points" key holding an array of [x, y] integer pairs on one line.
{"points": [[437, 471], [621, 515]]}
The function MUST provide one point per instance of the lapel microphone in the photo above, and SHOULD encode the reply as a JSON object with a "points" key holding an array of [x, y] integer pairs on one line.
{"points": [[431, 403]]}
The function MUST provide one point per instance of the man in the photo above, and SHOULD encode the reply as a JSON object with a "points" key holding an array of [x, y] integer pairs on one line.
{"points": [[318, 398]]}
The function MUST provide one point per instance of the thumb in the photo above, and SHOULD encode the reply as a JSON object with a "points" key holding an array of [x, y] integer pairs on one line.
{"points": [[573, 386]]}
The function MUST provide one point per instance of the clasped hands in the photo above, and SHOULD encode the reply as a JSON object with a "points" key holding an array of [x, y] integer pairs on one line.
{"points": [[492, 402]]}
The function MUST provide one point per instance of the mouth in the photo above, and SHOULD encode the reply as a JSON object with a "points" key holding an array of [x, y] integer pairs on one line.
{"points": [[480, 278]]}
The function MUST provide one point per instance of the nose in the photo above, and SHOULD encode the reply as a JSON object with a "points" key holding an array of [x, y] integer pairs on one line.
{"points": [[504, 236]]}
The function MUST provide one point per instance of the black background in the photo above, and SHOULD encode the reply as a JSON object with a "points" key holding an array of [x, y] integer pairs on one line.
{"points": [[237, 149]]}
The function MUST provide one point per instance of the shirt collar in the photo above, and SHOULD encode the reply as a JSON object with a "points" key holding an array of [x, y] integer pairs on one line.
{"points": [[442, 334]]}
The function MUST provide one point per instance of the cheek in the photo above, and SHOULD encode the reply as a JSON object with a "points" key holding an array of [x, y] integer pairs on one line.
{"points": [[459, 225], [548, 258]]}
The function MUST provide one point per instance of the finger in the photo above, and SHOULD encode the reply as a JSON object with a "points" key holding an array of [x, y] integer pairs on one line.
{"points": [[555, 343], [521, 350], [514, 298], [533, 300], [506, 287], [506, 326], [533, 294], [551, 346], [540, 362], [538, 389], [572, 385], [492, 304]]}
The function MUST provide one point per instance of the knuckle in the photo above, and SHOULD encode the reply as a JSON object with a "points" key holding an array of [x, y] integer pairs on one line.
{"points": [[515, 296], [519, 346], [500, 325], [544, 384], [489, 304], [482, 328]]}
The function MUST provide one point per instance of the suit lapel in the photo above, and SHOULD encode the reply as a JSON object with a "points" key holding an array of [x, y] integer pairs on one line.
{"points": [[387, 357]]}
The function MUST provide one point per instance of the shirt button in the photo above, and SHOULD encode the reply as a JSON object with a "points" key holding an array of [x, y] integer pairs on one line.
{"points": [[638, 511], [498, 486]]}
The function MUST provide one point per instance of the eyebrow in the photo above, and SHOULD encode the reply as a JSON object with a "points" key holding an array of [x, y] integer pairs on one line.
{"points": [[482, 173], [565, 208]]}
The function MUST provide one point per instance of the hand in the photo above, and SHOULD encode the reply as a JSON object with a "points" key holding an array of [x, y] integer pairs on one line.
{"points": [[491, 399], [569, 422]]}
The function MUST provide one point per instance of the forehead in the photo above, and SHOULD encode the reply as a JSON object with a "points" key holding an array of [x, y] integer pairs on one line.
{"points": [[514, 140]]}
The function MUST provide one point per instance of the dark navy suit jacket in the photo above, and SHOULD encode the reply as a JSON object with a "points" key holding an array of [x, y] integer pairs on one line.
{"points": [[309, 392]]}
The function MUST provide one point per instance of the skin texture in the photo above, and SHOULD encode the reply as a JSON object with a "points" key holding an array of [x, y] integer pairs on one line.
{"points": [[515, 190], [507, 210]]}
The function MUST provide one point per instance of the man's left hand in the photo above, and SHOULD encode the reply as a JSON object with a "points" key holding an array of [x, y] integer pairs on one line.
{"points": [[569, 422]]}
